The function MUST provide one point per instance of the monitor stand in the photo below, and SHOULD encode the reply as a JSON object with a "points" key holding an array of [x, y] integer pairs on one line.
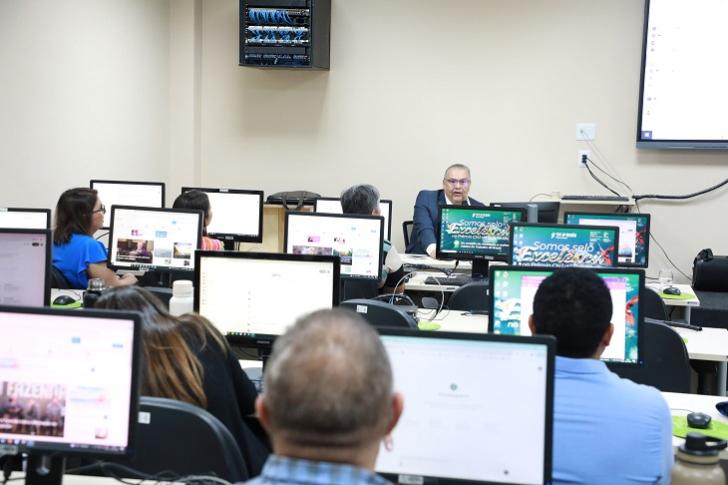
{"points": [[163, 278], [228, 245], [480, 269], [45, 469]]}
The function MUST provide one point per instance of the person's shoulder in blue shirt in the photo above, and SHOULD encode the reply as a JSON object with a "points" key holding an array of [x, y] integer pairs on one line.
{"points": [[73, 258], [455, 190], [606, 429]]}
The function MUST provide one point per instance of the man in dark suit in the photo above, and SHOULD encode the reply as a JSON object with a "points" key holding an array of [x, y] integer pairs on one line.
{"points": [[455, 189]]}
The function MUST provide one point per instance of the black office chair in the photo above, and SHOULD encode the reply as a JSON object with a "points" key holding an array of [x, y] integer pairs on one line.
{"points": [[184, 439], [471, 297], [58, 280], [381, 314], [407, 227], [652, 305], [666, 364]]}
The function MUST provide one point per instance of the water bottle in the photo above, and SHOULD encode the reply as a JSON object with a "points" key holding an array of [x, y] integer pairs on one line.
{"points": [[182, 300], [697, 462]]}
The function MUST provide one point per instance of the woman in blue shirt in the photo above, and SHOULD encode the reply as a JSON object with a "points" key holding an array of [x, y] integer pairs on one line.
{"points": [[79, 214]]}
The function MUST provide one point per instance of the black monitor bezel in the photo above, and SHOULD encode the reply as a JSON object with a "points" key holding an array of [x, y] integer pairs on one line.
{"points": [[48, 256], [565, 227], [128, 182], [135, 378], [342, 216], [546, 340], [262, 340], [524, 205], [389, 212], [550, 269], [47, 213], [467, 256], [200, 218], [250, 238], [626, 215]]}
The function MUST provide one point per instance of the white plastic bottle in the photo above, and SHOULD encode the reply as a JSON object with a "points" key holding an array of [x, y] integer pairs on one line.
{"points": [[182, 300]]}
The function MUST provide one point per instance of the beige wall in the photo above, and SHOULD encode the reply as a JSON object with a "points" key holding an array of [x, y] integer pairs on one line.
{"points": [[118, 88]]}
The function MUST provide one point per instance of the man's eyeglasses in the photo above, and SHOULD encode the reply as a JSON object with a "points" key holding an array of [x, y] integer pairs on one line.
{"points": [[102, 209], [454, 182]]}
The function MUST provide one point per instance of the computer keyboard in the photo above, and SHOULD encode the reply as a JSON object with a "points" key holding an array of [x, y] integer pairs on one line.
{"points": [[455, 279], [606, 198]]}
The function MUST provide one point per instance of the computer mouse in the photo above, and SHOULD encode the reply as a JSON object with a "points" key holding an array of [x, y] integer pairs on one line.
{"points": [[699, 420], [671, 290], [64, 300], [722, 408]]}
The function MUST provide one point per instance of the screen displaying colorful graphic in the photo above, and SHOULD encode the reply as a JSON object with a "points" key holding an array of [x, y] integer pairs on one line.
{"points": [[634, 233], [472, 232], [562, 245], [513, 291]]}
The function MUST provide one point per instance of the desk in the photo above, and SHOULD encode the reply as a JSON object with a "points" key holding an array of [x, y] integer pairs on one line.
{"points": [[710, 344], [456, 321], [686, 303], [425, 260], [682, 404]]}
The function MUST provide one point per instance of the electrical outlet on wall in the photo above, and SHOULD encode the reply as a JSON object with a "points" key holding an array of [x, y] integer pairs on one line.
{"points": [[586, 131], [582, 156]]}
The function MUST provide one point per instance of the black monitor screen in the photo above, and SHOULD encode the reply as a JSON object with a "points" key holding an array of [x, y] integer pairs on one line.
{"points": [[512, 290], [126, 192], [564, 245], [68, 379], [143, 238], [475, 232], [634, 234], [459, 392], [22, 218], [257, 296], [237, 215], [25, 259], [547, 211]]}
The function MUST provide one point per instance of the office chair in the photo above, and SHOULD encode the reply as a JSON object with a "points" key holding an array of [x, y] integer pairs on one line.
{"points": [[381, 314], [407, 227], [666, 365], [58, 280], [652, 305], [184, 439], [470, 297]]}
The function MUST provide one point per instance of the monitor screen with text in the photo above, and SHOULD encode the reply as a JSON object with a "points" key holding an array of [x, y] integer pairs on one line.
{"points": [[25, 259], [476, 408], [120, 192], [356, 240], [25, 218], [237, 215], [259, 295], [512, 291], [564, 245], [332, 205], [68, 379], [634, 234], [475, 232], [154, 238]]}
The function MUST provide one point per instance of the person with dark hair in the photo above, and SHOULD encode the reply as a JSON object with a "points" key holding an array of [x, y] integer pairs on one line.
{"points": [[328, 402], [187, 359], [79, 214], [455, 190], [364, 200], [198, 200], [606, 429]]}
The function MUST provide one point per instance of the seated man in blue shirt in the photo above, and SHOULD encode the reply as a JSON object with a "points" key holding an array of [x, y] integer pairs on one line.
{"points": [[606, 429], [455, 189], [327, 402]]}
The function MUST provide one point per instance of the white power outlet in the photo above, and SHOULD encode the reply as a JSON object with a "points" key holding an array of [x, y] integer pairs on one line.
{"points": [[581, 154], [586, 131]]}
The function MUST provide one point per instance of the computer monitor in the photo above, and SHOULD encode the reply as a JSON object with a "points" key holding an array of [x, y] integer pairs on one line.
{"points": [[68, 382], [478, 408], [512, 290], [563, 245], [237, 215], [25, 218], [545, 211], [126, 192], [254, 297], [356, 240], [634, 234], [25, 261], [332, 205], [480, 234], [146, 238]]}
